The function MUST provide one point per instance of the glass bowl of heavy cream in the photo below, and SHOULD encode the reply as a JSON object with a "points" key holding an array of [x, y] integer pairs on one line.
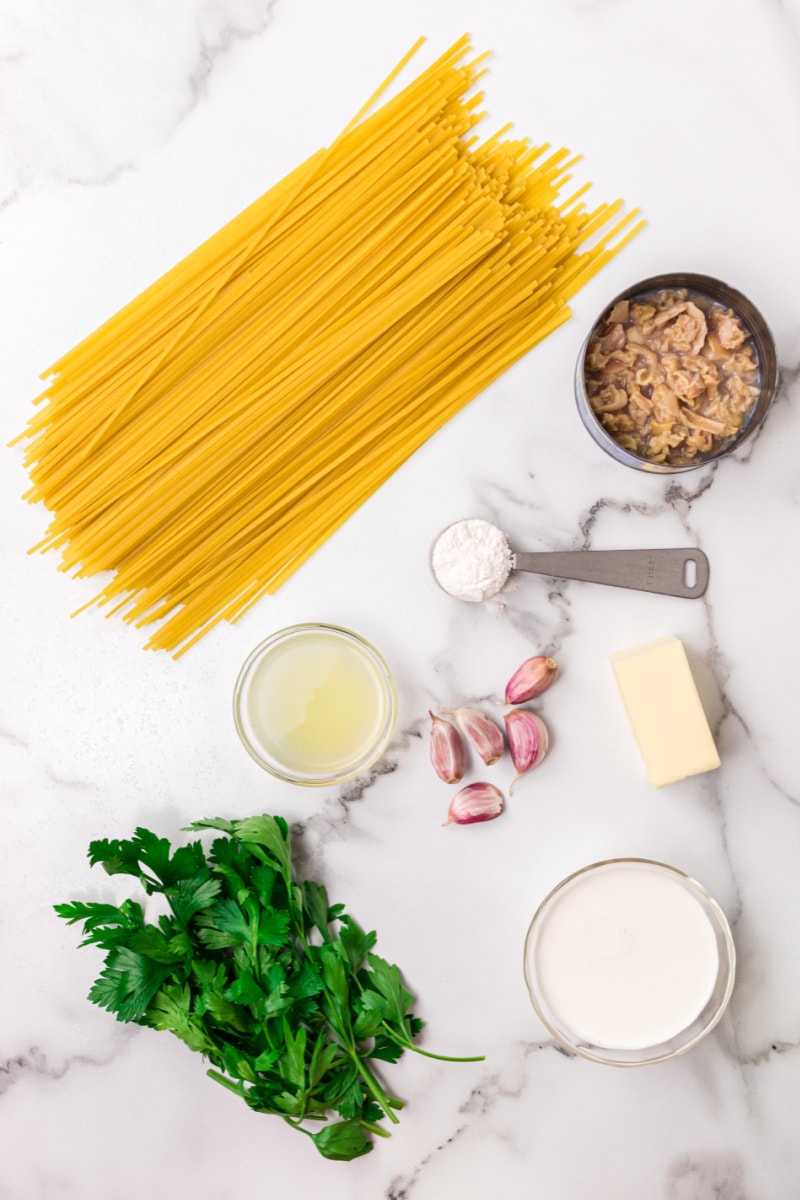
{"points": [[629, 962]]}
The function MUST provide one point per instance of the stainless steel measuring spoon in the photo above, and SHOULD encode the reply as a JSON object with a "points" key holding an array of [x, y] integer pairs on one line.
{"points": [[672, 572]]}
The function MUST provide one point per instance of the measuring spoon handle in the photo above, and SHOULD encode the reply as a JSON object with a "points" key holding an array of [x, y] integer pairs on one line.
{"points": [[664, 571]]}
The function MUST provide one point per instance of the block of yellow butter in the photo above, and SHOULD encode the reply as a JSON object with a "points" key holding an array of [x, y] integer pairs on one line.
{"points": [[664, 710]]}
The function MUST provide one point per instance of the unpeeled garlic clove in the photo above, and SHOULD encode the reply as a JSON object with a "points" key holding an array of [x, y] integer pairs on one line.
{"points": [[531, 679], [448, 753], [475, 802], [480, 731], [528, 741]]}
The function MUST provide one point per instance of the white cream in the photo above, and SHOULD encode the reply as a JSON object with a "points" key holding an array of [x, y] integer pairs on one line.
{"points": [[626, 958]]}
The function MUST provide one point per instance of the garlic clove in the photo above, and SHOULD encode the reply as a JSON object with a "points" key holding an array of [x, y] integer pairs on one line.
{"points": [[448, 753], [528, 741], [531, 679], [475, 802], [481, 731]]}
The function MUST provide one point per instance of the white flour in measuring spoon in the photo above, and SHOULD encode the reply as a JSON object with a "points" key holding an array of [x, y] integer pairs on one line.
{"points": [[471, 560]]}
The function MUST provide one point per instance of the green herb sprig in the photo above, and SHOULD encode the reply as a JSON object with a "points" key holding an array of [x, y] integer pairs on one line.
{"points": [[279, 990]]}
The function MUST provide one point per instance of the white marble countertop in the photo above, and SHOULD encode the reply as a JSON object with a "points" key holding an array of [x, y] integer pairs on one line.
{"points": [[128, 132]]}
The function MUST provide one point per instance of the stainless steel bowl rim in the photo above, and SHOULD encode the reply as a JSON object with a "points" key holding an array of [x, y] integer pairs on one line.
{"points": [[759, 330]]}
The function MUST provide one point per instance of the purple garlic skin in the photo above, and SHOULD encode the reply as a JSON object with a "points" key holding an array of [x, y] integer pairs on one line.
{"points": [[448, 753], [528, 741], [481, 731], [475, 802], [531, 679]]}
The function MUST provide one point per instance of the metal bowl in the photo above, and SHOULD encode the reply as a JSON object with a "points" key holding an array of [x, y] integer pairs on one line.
{"points": [[765, 352]]}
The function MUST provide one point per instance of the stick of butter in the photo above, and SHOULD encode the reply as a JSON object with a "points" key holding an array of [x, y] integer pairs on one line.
{"points": [[664, 710]]}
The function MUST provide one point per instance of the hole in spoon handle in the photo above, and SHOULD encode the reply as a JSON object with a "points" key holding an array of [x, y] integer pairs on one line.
{"points": [[695, 573]]}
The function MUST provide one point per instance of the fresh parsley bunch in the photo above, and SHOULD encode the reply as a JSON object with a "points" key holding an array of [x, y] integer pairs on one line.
{"points": [[254, 969]]}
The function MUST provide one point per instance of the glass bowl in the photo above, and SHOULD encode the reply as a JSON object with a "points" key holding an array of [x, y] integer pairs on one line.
{"points": [[669, 965], [764, 344], [315, 704]]}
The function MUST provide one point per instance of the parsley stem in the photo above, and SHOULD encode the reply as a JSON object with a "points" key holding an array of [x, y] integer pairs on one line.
{"points": [[236, 1088], [373, 1128], [408, 1044], [443, 1057], [373, 1086], [296, 1125]]}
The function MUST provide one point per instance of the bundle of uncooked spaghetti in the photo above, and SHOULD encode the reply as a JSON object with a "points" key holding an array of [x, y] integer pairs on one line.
{"points": [[207, 439]]}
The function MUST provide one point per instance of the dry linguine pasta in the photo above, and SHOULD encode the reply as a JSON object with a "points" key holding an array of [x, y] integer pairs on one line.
{"points": [[209, 437]]}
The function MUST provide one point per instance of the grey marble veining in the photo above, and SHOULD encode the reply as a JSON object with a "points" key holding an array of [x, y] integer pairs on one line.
{"points": [[60, 62]]}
